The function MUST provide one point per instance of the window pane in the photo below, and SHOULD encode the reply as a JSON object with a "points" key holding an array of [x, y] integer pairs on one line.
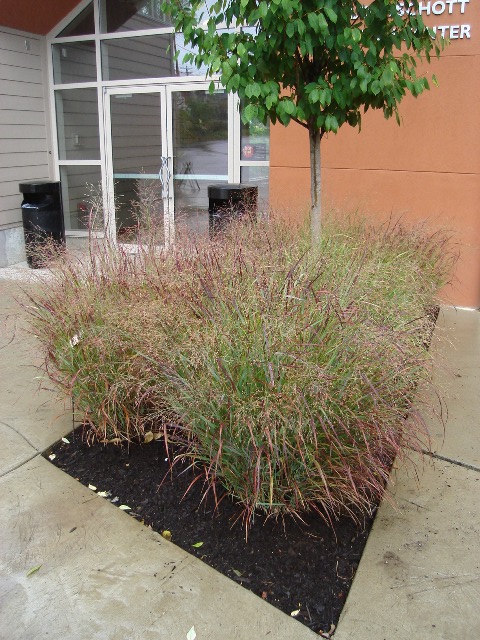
{"points": [[200, 153], [257, 176], [74, 62], [81, 197], [145, 57], [183, 68], [200, 133], [255, 141], [139, 210], [137, 152], [77, 124], [131, 15], [82, 25], [136, 133]]}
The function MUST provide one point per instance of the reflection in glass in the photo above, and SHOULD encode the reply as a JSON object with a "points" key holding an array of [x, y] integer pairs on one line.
{"points": [[81, 197], [137, 151], [136, 15], [144, 57], [259, 177], [74, 62], [255, 141], [183, 68], [82, 25], [200, 153], [77, 124], [158, 56], [139, 210], [132, 15], [186, 68]]}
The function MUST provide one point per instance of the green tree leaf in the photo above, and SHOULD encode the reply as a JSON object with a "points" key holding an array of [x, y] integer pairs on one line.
{"points": [[322, 23], [332, 16], [356, 35], [250, 112], [253, 90], [313, 21]]}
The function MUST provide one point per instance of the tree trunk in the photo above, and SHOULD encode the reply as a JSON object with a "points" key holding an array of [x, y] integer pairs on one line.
{"points": [[315, 184]]}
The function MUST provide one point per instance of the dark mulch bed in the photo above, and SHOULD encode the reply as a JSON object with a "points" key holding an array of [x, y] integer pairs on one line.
{"points": [[307, 567]]}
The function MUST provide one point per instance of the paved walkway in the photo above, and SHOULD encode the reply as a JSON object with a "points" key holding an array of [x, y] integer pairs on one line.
{"points": [[419, 577], [105, 576]]}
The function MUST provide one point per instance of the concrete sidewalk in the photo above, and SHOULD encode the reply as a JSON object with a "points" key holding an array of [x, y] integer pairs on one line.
{"points": [[419, 576], [104, 575]]}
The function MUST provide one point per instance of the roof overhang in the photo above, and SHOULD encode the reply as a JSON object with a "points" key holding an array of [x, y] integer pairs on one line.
{"points": [[34, 16]]}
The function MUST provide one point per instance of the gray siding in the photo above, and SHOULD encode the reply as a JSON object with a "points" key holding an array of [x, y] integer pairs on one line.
{"points": [[23, 133]]}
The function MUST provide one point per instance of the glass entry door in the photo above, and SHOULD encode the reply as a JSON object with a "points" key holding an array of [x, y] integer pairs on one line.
{"points": [[138, 167], [165, 145]]}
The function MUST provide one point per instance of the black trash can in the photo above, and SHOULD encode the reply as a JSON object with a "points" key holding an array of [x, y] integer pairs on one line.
{"points": [[42, 218], [228, 201]]}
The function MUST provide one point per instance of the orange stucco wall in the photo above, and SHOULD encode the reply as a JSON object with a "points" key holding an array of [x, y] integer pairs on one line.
{"points": [[425, 170]]}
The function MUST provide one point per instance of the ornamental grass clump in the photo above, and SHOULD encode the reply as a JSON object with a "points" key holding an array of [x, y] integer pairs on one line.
{"points": [[285, 371]]}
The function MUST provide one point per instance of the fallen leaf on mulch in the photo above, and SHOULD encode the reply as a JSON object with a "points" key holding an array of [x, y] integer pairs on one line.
{"points": [[327, 634]]}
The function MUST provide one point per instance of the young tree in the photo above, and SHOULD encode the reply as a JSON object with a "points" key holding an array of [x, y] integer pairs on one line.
{"points": [[319, 63]]}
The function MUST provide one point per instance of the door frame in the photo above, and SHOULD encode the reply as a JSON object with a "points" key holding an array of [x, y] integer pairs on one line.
{"points": [[166, 90]]}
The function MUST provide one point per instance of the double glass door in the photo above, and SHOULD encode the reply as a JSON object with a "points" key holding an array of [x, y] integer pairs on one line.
{"points": [[165, 145]]}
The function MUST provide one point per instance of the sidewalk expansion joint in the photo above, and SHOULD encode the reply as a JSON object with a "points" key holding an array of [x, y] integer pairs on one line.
{"points": [[19, 433], [458, 463], [20, 464]]}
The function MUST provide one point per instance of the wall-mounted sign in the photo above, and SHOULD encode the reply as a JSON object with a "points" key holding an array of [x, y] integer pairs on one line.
{"points": [[458, 8]]}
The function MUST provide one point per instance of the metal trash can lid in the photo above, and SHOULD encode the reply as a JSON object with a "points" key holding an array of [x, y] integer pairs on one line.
{"points": [[39, 186], [228, 191]]}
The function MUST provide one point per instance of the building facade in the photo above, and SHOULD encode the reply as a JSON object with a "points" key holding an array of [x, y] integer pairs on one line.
{"points": [[91, 94], [426, 170]]}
